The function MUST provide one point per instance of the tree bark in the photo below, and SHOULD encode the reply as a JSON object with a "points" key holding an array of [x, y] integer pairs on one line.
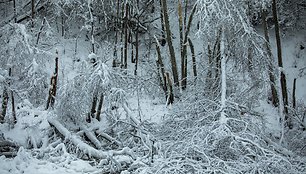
{"points": [[274, 97], [5, 98], [161, 68], [116, 35], [15, 11], [170, 45], [53, 84], [32, 12], [14, 119], [170, 96], [99, 110], [194, 63], [293, 94], [280, 63], [181, 31], [223, 77], [126, 35], [163, 39], [184, 77]]}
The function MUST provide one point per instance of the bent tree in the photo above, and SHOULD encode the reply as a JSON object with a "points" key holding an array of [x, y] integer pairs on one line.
{"points": [[229, 23]]}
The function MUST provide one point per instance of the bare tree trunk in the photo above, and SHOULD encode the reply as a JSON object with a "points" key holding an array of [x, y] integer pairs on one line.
{"points": [[280, 64], [15, 11], [14, 119], [223, 77], [53, 85], [163, 39], [293, 94], [116, 35], [33, 11], [169, 40], [170, 96], [121, 37], [184, 77], [136, 50], [161, 68], [126, 35], [98, 116], [274, 97], [181, 31], [63, 26], [92, 28], [5, 99], [194, 63], [40, 30]]}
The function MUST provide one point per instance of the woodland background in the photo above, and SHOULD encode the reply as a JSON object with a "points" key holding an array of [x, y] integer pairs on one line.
{"points": [[153, 86]]}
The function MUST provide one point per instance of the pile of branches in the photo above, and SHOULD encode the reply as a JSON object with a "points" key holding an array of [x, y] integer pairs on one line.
{"points": [[195, 141]]}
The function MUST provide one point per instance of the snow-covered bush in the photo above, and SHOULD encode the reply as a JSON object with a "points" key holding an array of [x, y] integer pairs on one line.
{"points": [[76, 96], [194, 141], [28, 77]]}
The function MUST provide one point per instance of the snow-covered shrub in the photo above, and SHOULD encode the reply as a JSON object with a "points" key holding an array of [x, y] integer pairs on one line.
{"points": [[76, 96], [194, 141], [28, 77]]}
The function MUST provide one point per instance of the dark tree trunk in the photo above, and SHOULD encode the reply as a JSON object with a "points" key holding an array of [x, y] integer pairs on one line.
{"points": [[169, 40], [15, 11], [126, 35], [170, 96], [161, 68], [184, 77], [116, 34], [280, 63], [163, 39], [32, 11], [293, 94], [53, 84], [14, 119], [5, 98], [99, 110], [194, 63], [136, 50]]}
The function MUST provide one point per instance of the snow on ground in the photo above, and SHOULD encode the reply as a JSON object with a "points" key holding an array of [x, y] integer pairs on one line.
{"points": [[25, 163]]}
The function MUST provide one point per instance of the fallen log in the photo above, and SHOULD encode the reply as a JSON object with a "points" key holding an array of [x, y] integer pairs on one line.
{"points": [[85, 148]]}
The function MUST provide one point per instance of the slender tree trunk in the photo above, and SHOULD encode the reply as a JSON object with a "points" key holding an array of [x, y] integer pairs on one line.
{"points": [[181, 31], [170, 96], [184, 77], [122, 35], [32, 11], [116, 35], [14, 119], [53, 85], [40, 30], [194, 63], [92, 28], [163, 39], [94, 104], [126, 35], [136, 50], [274, 97], [293, 94], [15, 11], [280, 63], [63, 26], [170, 45], [223, 77], [5, 98], [185, 15], [161, 68], [99, 110]]}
